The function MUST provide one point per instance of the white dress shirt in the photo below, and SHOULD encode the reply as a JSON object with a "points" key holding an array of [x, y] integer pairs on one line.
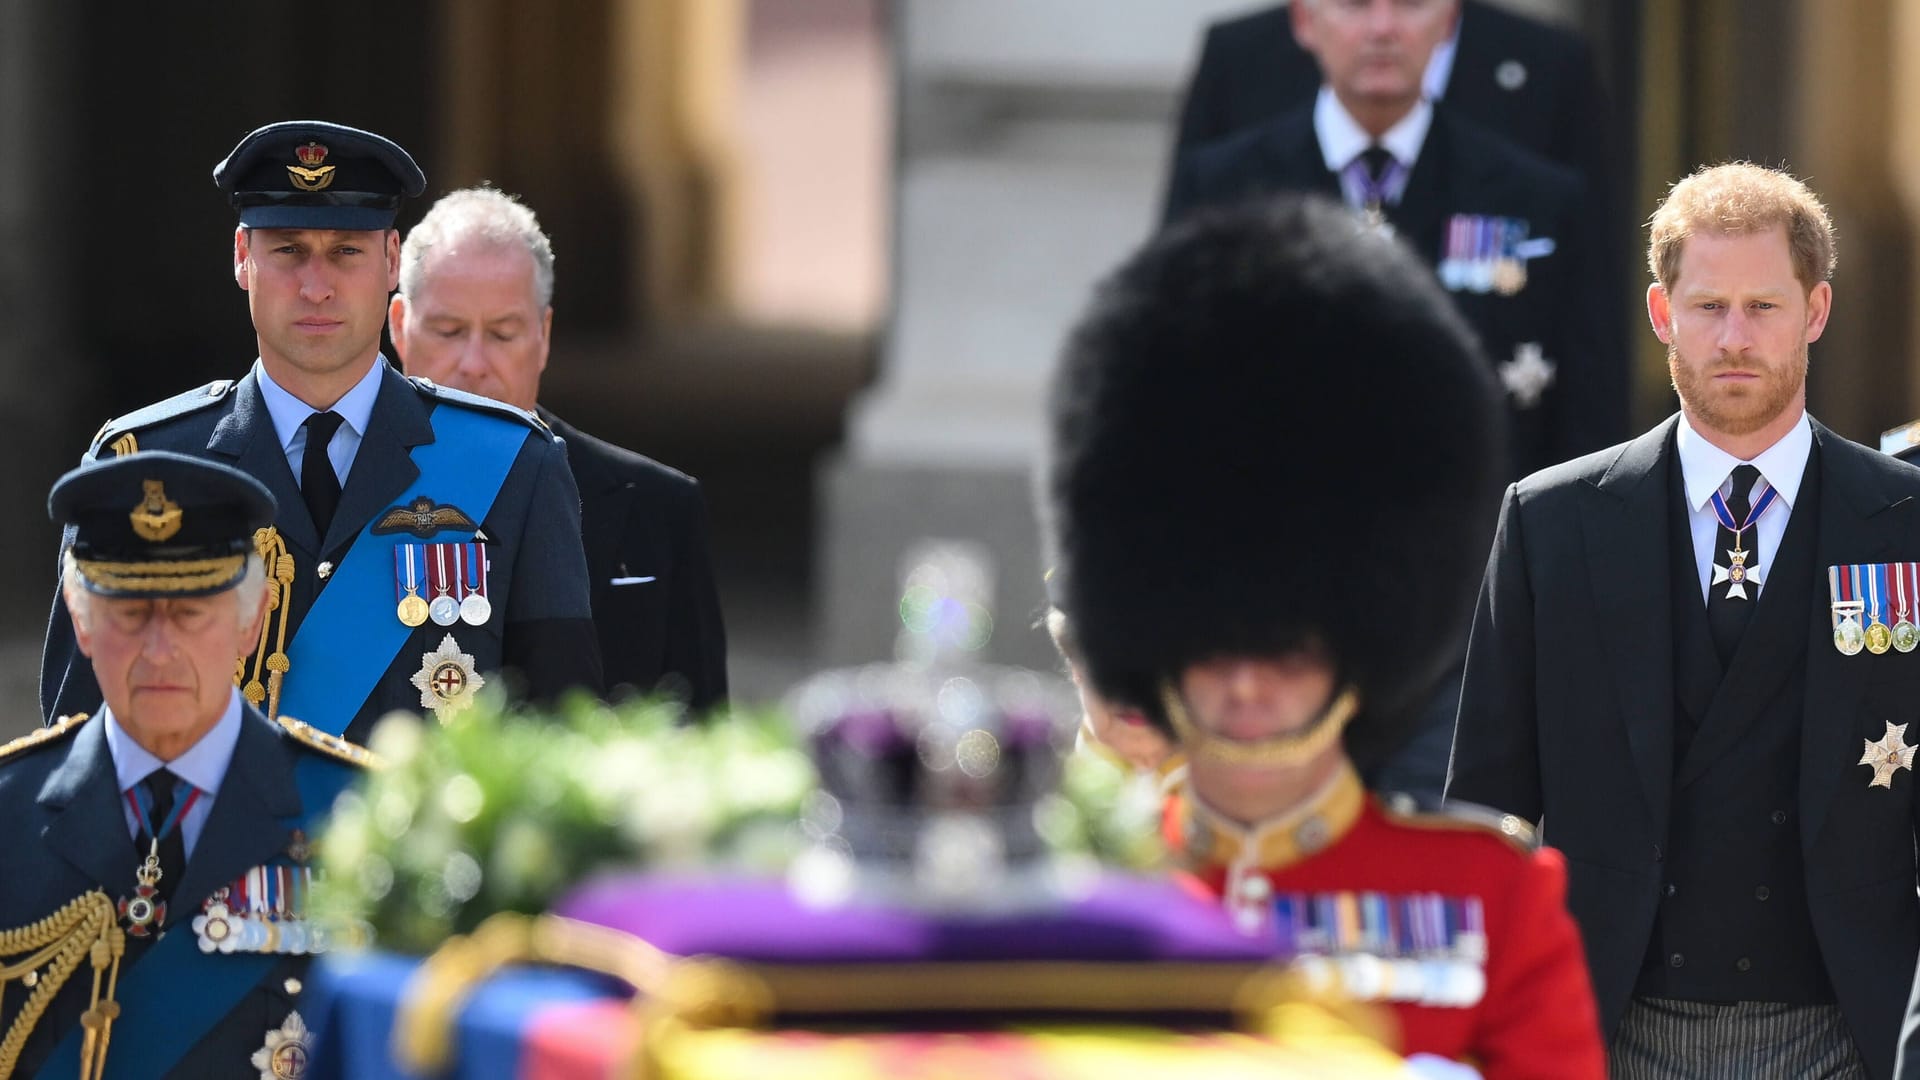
{"points": [[1705, 469], [290, 414], [204, 765]]}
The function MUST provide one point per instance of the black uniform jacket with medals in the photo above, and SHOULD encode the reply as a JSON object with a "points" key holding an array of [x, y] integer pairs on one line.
{"points": [[68, 835], [540, 625], [1531, 82], [1575, 685], [654, 602], [1463, 169]]}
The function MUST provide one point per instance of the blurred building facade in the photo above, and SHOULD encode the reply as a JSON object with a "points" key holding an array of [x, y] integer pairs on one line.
{"points": [[819, 254]]}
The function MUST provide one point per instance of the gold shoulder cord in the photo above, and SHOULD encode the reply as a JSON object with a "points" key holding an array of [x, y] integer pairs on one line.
{"points": [[87, 927], [266, 687]]}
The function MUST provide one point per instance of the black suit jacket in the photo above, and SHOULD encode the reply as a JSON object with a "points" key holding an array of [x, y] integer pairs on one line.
{"points": [[655, 608], [540, 627], [1251, 69], [1464, 169], [1567, 713], [68, 835]]}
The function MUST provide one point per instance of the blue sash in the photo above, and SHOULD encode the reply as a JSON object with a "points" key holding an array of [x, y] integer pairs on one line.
{"points": [[176, 993], [350, 635]]}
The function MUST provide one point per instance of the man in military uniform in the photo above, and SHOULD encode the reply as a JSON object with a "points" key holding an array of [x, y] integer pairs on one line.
{"points": [[1691, 660], [1281, 612], [427, 540], [475, 312], [173, 823]]}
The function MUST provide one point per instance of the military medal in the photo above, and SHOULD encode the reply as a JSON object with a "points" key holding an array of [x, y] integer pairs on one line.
{"points": [[1879, 638], [1887, 756], [216, 926], [445, 610], [1737, 573], [447, 680], [412, 610], [1422, 948], [144, 911], [1905, 634], [1848, 637], [475, 608]]}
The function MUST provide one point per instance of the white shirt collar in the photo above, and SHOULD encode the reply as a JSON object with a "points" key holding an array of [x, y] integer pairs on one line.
{"points": [[1342, 138], [289, 413], [1704, 466], [204, 764]]}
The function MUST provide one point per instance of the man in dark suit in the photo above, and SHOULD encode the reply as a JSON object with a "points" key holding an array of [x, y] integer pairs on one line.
{"points": [[475, 311], [427, 541], [1530, 82], [175, 822], [1507, 230], [1689, 664]]}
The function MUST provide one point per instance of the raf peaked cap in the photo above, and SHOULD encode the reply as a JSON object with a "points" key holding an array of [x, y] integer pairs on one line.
{"points": [[159, 524], [309, 174], [1271, 430]]}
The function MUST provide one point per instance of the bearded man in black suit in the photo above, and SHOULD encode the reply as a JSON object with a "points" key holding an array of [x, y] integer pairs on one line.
{"points": [[475, 312], [1691, 664]]}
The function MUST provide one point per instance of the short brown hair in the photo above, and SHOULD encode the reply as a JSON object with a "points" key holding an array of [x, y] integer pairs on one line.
{"points": [[1739, 199]]}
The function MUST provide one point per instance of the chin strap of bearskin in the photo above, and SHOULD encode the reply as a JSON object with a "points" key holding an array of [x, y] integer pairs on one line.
{"points": [[42, 956], [1290, 748]]}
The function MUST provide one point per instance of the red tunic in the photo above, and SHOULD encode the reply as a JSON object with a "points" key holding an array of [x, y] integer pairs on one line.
{"points": [[1372, 870]]}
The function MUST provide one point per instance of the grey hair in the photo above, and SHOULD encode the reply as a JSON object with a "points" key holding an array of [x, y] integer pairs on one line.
{"points": [[488, 215], [248, 590]]}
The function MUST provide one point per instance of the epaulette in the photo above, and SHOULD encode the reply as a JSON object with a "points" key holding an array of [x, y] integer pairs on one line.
{"points": [[475, 401], [331, 745], [178, 405], [46, 735], [1453, 814]]}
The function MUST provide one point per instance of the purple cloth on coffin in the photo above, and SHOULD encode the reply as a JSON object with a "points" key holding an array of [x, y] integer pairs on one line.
{"points": [[1121, 919]]}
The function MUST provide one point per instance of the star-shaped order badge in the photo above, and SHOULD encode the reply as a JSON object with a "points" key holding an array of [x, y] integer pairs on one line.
{"points": [[446, 680], [1888, 756], [284, 1057]]}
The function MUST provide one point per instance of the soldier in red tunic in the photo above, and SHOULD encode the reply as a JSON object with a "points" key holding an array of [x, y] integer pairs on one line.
{"points": [[1275, 461]]}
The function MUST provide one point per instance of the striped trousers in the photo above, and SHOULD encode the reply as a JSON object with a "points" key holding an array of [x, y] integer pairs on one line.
{"points": [[1664, 1039]]}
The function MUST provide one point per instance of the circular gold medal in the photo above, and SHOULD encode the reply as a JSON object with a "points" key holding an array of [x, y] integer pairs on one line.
{"points": [[1905, 636], [1879, 638], [413, 610], [1848, 637]]}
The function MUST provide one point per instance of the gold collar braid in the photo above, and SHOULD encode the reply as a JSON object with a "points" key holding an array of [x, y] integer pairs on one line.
{"points": [[1290, 748]]}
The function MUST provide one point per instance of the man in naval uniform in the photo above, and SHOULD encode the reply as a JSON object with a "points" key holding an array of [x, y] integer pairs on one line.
{"points": [[428, 540], [1692, 663], [1281, 623], [177, 811], [475, 312]]}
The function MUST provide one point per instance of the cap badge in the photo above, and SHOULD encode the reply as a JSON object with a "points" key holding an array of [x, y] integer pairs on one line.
{"points": [[310, 174], [157, 517]]}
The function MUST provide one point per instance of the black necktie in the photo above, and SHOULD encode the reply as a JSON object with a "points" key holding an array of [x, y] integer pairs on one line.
{"points": [[160, 785], [319, 486], [1377, 158], [1727, 614]]}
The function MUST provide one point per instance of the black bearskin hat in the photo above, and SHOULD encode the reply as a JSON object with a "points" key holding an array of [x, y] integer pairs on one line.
{"points": [[1270, 429]]}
